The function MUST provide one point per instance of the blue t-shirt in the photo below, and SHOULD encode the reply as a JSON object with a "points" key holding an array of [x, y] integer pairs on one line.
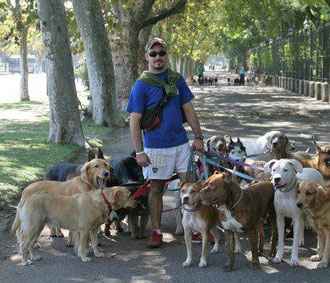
{"points": [[170, 132]]}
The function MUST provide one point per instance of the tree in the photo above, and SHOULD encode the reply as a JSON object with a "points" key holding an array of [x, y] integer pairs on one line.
{"points": [[90, 21], [65, 126], [129, 18], [23, 15]]}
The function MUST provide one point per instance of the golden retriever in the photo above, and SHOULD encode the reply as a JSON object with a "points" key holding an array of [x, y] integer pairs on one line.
{"points": [[82, 213], [93, 175], [315, 200]]}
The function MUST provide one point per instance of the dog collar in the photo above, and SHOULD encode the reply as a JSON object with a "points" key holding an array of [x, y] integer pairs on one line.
{"points": [[106, 200], [192, 209], [288, 189]]}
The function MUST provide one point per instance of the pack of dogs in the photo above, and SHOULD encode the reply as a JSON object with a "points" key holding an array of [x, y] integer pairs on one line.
{"points": [[287, 185]]}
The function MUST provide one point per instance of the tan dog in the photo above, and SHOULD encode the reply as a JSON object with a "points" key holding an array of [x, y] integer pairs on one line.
{"points": [[321, 162], [315, 200], [198, 217], [93, 175], [242, 210], [83, 213]]}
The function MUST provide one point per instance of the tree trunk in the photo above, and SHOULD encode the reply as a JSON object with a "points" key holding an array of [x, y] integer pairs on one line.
{"points": [[24, 87], [144, 36], [65, 126], [99, 62]]}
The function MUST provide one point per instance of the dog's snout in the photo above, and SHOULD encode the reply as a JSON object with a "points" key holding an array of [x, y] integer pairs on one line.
{"points": [[202, 192], [277, 179], [299, 204], [106, 174], [275, 143]]}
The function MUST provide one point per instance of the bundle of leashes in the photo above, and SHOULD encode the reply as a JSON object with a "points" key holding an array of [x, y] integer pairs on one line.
{"points": [[204, 158]]}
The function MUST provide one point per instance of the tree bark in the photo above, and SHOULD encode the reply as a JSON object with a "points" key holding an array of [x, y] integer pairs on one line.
{"points": [[65, 125], [143, 40], [24, 85], [89, 18]]}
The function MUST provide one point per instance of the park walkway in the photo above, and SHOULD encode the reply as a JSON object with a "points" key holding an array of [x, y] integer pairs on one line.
{"points": [[242, 111]]}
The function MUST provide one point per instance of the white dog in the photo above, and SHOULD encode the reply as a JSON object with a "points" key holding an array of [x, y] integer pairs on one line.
{"points": [[274, 145], [285, 176]]}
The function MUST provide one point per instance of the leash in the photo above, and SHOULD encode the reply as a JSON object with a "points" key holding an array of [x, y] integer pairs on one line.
{"points": [[106, 200], [228, 159], [215, 164], [142, 190], [172, 209]]}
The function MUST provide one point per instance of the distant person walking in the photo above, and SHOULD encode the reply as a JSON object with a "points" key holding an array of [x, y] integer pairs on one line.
{"points": [[242, 76], [200, 73]]}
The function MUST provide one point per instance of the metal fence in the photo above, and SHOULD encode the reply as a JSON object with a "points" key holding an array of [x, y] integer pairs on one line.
{"points": [[302, 55]]}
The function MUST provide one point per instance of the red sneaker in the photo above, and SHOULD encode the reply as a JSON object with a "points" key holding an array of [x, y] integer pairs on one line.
{"points": [[155, 240], [197, 238]]}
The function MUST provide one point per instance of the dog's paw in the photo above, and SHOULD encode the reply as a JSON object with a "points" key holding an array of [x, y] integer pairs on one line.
{"points": [[301, 243], [322, 264], [238, 251], [69, 244], [99, 254], [187, 263], [276, 259], [316, 258], [227, 268], [36, 257], [202, 263], [179, 231], [36, 246], [135, 236], [142, 236], [27, 262], [294, 262], [215, 250], [86, 258], [60, 234]]}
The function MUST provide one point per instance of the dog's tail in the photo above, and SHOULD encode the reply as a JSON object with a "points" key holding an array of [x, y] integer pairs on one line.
{"points": [[17, 221]]}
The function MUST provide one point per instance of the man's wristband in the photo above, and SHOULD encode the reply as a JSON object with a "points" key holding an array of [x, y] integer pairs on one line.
{"points": [[199, 137], [141, 152]]}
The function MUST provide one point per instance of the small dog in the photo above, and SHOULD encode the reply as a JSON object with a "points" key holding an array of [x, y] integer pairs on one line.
{"points": [[315, 200], [241, 210], [237, 151], [198, 217], [285, 174], [83, 213]]}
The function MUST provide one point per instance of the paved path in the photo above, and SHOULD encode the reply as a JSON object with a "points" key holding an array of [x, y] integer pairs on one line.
{"points": [[239, 111]]}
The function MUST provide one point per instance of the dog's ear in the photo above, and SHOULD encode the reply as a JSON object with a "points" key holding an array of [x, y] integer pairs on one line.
{"points": [[84, 171], [118, 197], [180, 185], [238, 140], [100, 153], [288, 146], [269, 165], [296, 165], [91, 155], [200, 183], [317, 147], [321, 196], [216, 172]]}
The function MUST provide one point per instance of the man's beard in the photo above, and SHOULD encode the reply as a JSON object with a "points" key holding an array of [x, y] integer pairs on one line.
{"points": [[157, 67]]}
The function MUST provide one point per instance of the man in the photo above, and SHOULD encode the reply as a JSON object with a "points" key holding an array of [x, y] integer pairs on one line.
{"points": [[165, 149], [200, 72], [242, 76]]}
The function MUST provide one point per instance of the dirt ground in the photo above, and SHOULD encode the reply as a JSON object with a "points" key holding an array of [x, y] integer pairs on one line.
{"points": [[243, 111]]}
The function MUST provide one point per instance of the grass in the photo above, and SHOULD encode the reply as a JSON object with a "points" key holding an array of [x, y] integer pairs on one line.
{"points": [[25, 153]]}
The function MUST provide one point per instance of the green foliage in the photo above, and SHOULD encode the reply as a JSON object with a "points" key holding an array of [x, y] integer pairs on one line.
{"points": [[25, 153], [82, 74]]}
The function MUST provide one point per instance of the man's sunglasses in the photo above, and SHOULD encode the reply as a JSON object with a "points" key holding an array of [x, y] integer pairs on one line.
{"points": [[161, 53]]}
